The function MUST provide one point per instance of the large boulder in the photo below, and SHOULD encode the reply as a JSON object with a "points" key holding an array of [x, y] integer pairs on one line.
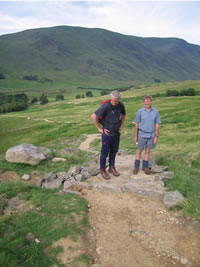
{"points": [[172, 199], [25, 153]]}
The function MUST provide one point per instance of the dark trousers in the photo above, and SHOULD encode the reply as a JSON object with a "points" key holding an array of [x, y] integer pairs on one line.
{"points": [[110, 145]]}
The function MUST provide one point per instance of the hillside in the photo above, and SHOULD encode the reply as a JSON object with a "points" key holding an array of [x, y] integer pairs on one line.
{"points": [[75, 53]]}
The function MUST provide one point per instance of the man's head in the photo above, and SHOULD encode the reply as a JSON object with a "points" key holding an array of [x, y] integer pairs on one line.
{"points": [[115, 97], [147, 102]]}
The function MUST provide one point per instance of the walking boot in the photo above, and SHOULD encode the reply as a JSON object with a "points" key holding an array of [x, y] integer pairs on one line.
{"points": [[104, 174], [113, 171], [135, 170], [146, 170], [145, 167], [136, 166]]}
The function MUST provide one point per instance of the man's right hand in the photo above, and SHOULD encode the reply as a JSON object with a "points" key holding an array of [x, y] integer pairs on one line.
{"points": [[104, 131], [135, 139]]}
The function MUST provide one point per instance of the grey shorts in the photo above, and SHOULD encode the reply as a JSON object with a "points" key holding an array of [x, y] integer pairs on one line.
{"points": [[144, 142]]}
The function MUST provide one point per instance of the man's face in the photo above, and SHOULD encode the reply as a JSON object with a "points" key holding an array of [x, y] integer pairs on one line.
{"points": [[114, 101], [147, 103]]}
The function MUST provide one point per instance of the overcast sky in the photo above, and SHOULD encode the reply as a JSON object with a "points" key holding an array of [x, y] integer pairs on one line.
{"points": [[139, 18]]}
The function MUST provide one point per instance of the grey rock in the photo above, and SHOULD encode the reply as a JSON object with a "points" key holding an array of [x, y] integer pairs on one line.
{"points": [[85, 173], [63, 175], [58, 160], [184, 260], [51, 180], [25, 153], [78, 177], [74, 170], [48, 153], [173, 198], [152, 163], [94, 171], [158, 169], [68, 184], [26, 177], [164, 176]]}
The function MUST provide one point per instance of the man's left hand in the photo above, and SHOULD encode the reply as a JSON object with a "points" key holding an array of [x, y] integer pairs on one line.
{"points": [[155, 141]]}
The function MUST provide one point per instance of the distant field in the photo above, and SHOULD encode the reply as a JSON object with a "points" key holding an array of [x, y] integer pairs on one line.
{"points": [[63, 124]]}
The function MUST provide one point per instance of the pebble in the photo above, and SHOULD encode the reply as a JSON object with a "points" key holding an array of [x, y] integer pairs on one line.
{"points": [[25, 177], [184, 260]]}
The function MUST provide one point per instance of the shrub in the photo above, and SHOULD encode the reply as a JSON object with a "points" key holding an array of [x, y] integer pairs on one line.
{"points": [[89, 94], [59, 97], [43, 99]]}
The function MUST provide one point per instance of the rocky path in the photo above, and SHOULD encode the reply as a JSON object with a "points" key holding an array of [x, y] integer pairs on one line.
{"points": [[131, 226]]}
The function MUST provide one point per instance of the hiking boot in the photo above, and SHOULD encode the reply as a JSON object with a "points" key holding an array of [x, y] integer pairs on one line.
{"points": [[135, 171], [104, 174], [146, 170], [113, 171]]}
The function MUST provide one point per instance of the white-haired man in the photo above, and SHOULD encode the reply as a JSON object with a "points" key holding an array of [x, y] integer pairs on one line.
{"points": [[114, 114]]}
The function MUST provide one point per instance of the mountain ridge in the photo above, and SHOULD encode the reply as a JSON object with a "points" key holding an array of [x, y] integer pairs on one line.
{"points": [[66, 52]]}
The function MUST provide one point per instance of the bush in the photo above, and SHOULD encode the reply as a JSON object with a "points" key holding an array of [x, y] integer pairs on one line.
{"points": [[78, 96], [59, 97], [16, 102], [89, 94], [34, 100], [31, 77], [183, 92], [43, 99]]}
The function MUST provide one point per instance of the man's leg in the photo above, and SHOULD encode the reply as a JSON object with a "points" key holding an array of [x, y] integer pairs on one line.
{"points": [[141, 143], [145, 163], [104, 153], [113, 151], [137, 161]]}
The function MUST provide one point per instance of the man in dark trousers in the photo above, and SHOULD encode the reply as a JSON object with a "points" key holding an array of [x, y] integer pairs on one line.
{"points": [[113, 116], [146, 133]]}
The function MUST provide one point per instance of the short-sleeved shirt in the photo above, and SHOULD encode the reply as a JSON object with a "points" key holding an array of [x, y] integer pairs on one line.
{"points": [[111, 116], [147, 122]]}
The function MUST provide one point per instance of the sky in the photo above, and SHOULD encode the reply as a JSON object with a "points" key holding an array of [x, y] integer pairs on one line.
{"points": [[179, 19]]}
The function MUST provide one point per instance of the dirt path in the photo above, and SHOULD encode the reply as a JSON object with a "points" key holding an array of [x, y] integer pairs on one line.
{"points": [[86, 144], [130, 225]]}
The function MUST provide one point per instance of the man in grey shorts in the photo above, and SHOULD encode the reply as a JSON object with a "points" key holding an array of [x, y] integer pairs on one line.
{"points": [[146, 133]]}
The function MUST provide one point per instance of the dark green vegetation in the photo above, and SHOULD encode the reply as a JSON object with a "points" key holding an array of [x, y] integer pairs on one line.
{"points": [[35, 221], [14, 102], [63, 54]]}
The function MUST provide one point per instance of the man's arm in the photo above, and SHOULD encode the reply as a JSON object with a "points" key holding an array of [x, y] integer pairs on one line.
{"points": [[96, 123], [136, 132], [157, 133], [122, 122]]}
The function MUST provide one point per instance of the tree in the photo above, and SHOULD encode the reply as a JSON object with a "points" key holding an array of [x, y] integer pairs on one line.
{"points": [[89, 94], [59, 97], [43, 99], [2, 76], [78, 96], [34, 100]]}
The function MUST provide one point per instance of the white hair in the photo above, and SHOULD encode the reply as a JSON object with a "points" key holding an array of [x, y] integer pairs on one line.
{"points": [[115, 94]]}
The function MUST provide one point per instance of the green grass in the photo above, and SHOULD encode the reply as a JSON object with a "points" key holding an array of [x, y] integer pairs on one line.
{"points": [[59, 125], [48, 217]]}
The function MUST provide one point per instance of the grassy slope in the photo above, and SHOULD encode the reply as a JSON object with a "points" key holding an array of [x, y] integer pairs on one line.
{"points": [[75, 53]]}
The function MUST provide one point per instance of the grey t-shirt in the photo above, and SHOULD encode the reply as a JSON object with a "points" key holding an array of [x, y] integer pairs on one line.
{"points": [[147, 121]]}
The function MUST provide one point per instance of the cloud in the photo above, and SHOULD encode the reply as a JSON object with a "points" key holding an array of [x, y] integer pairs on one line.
{"points": [[145, 19]]}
